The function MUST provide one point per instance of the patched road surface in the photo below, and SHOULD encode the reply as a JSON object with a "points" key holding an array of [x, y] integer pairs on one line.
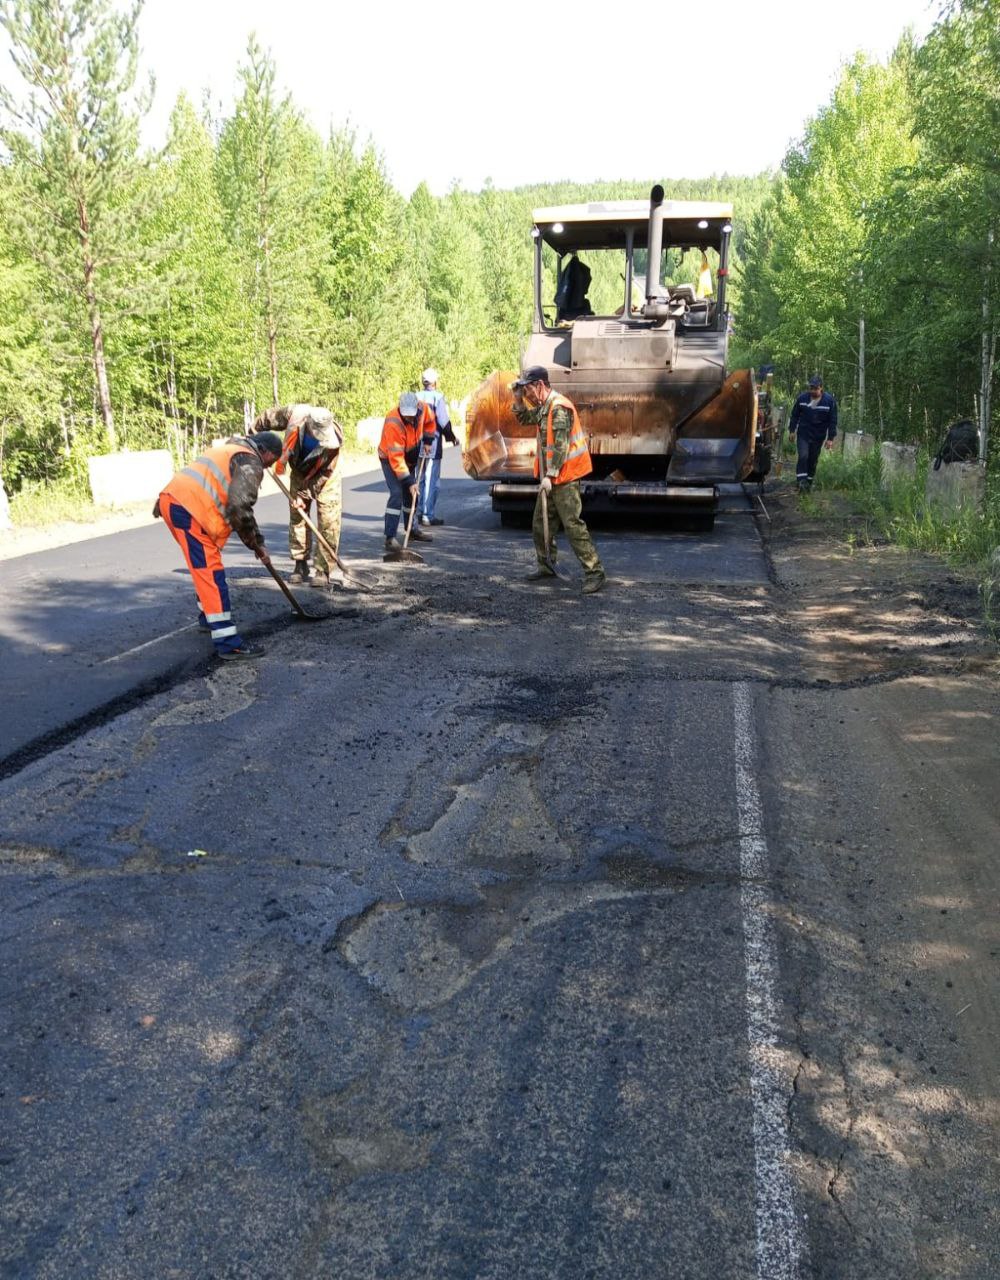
{"points": [[489, 932]]}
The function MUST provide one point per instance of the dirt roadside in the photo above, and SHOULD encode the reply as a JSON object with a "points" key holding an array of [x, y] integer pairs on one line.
{"points": [[882, 771]]}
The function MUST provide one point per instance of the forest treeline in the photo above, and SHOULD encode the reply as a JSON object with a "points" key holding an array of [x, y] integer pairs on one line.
{"points": [[160, 299]]}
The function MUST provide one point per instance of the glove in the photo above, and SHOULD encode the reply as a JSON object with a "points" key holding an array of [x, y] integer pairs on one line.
{"points": [[546, 485]]}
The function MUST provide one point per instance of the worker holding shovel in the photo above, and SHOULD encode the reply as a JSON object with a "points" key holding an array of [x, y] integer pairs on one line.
{"points": [[201, 506], [561, 460], [311, 456], [409, 432]]}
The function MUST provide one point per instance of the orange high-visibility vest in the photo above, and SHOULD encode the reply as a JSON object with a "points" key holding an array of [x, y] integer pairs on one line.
{"points": [[398, 438], [202, 487], [577, 463]]}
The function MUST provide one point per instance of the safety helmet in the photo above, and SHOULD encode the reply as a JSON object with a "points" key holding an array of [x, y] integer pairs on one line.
{"points": [[409, 405], [428, 376]]}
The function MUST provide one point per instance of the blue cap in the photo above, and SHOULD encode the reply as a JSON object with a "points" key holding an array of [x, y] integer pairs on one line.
{"points": [[815, 380]]}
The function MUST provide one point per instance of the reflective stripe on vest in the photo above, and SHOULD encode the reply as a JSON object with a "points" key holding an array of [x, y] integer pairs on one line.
{"points": [[202, 488], [577, 461]]}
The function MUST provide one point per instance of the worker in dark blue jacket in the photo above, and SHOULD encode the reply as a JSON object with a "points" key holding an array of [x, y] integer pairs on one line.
{"points": [[814, 417]]}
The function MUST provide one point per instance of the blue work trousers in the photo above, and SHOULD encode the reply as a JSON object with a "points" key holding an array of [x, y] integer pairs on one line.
{"points": [[810, 447], [429, 487], [398, 505]]}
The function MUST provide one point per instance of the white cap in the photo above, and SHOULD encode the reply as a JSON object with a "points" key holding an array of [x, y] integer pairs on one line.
{"points": [[429, 375]]}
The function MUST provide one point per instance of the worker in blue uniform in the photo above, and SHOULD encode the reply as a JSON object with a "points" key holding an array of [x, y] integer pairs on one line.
{"points": [[814, 419]]}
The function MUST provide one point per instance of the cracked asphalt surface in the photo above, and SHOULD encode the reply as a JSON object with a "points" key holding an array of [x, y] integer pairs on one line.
{"points": [[457, 985]]}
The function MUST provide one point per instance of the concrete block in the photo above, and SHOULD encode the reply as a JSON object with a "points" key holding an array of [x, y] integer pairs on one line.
{"points": [[899, 462], [956, 485], [369, 433], [5, 522], [857, 444], [121, 479]]}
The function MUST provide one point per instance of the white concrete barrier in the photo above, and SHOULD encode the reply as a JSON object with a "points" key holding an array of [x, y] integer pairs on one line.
{"points": [[956, 485], [121, 479], [5, 522], [369, 433], [899, 462], [857, 444]]}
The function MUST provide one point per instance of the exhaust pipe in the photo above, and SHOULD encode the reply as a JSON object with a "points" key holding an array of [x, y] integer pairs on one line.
{"points": [[655, 295]]}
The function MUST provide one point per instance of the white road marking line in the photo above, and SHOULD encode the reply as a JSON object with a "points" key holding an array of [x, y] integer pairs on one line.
{"points": [[780, 1241], [139, 647]]}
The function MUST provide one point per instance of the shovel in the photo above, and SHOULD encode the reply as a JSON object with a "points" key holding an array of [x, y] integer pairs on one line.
{"points": [[363, 586], [403, 553], [299, 613]]}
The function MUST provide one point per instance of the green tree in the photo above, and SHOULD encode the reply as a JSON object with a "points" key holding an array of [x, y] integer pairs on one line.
{"points": [[75, 129]]}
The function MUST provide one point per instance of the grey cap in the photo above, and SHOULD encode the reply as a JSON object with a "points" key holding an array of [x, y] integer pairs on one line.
{"points": [[409, 405]]}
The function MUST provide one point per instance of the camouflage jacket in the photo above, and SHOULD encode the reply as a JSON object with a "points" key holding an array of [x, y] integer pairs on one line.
{"points": [[562, 425]]}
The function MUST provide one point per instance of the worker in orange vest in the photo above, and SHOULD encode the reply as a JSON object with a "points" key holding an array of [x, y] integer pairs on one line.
{"points": [[201, 506], [313, 439], [562, 459], [408, 432]]}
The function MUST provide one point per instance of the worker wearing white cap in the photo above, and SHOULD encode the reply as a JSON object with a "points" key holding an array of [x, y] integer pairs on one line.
{"points": [[427, 503]]}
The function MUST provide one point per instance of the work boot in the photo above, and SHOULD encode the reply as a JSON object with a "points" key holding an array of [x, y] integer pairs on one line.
{"points": [[542, 574], [300, 573], [390, 544], [320, 581], [244, 653], [418, 535], [593, 582]]}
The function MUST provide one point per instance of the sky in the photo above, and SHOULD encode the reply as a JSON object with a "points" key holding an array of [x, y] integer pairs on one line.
{"points": [[534, 91]]}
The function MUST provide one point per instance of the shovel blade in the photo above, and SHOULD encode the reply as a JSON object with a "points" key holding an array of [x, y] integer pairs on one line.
{"points": [[402, 556]]}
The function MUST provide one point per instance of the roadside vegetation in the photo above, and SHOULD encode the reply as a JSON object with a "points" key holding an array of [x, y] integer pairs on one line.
{"points": [[161, 299], [899, 512]]}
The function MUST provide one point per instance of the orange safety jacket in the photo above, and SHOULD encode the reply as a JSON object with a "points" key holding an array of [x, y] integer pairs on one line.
{"points": [[577, 463], [398, 438], [202, 487], [323, 463]]}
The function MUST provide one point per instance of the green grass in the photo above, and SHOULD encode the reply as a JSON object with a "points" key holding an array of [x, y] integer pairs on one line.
{"points": [[967, 539], [37, 505]]}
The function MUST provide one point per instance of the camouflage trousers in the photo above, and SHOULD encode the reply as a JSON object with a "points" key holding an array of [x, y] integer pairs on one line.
{"points": [[328, 510], [565, 506]]}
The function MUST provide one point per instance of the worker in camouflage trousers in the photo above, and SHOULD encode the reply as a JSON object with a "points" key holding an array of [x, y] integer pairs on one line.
{"points": [[313, 439], [561, 460]]}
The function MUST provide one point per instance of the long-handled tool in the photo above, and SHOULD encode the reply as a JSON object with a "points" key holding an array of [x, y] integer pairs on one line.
{"points": [[322, 541], [403, 553], [300, 614], [547, 558]]}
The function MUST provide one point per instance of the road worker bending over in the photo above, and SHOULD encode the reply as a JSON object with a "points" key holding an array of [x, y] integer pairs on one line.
{"points": [[561, 460], [201, 506], [311, 454], [409, 432]]}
